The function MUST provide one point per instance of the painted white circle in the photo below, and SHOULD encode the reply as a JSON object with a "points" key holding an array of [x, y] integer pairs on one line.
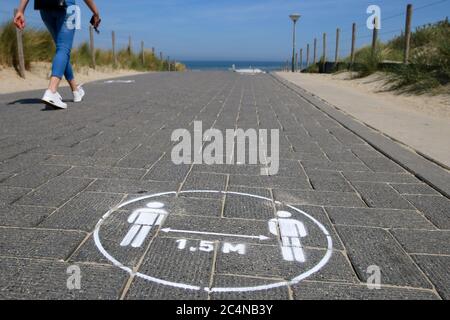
{"points": [[295, 280], [284, 214]]}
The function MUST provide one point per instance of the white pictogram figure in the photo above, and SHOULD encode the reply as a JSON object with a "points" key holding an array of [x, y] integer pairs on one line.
{"points": [[290, 231], [143, 220]]}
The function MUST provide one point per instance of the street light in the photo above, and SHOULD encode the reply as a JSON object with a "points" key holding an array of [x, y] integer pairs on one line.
{"points": [[294, 18]]}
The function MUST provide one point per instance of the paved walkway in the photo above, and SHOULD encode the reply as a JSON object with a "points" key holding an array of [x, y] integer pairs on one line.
{"points": [[426, 134], [354, 209]]}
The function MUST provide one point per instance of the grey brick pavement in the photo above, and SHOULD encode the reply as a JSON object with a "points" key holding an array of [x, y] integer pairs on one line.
{"points": [[61, 171]]}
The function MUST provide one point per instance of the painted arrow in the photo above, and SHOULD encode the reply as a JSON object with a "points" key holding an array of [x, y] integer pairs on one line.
{"points": [[261, 237]]}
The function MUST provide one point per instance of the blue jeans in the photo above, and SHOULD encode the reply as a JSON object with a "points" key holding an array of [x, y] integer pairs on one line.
{"points": [[56, 23]]}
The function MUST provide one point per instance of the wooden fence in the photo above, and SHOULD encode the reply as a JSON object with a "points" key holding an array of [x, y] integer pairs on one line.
{"points": [[375, 37], [92, 49]]}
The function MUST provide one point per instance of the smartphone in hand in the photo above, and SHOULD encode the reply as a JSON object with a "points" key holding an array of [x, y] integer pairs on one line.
{"points": [[95, 22]]}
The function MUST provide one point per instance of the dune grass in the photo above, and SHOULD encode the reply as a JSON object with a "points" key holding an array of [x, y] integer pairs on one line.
{"points": [[37, 44], [39, 47], [428, 69], [429, 66]]}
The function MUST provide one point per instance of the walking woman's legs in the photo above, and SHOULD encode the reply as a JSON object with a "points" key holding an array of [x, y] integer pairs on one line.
{"points": [[55, 20], [54, 84], [69, 75], [50, 22]]}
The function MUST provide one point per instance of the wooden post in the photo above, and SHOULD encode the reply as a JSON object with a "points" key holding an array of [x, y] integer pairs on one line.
{"points": [[129, 45], [296, 62], [307, 55], [352, 61], [301, 60], [168, 63], [20, 54], [336, 56], [113, 34], [153, 51], [161, 56], [324, 56], [374, 35], [409, 11], [142, 52], [92, 46], [315, 50]]}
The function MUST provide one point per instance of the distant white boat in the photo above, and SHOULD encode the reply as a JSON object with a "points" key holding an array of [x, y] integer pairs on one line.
{"points": [[250, 71]]}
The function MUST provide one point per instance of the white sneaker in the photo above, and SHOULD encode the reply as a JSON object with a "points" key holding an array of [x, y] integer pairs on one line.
{"points": [[79, 94], [54, 99]]}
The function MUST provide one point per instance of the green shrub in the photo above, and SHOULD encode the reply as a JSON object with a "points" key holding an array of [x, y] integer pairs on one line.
{"points": [[37, 46], [368, 61], [8, 46], [429, 63], [312, 68], [429, 66]]}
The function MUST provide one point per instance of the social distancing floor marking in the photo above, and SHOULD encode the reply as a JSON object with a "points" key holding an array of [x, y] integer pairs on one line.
{"points": [[119, 81], [287, 229]]}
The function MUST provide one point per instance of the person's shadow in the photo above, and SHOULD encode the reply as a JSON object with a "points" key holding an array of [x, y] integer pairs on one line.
{"points": [[25, 101], [32, 101]]}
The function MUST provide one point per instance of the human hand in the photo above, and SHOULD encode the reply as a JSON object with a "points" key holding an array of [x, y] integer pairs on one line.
{"points": [[19, 20], [95, 20]]}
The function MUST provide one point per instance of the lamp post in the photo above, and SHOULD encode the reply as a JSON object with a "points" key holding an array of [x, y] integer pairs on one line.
{"points": [[294, 18]]}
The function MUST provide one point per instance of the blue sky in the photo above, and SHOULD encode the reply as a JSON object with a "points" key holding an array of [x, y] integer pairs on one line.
{"points": [[239, 29]]}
